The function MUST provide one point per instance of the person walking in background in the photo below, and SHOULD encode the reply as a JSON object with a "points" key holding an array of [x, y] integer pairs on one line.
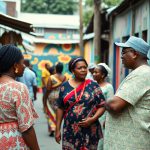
{"points": [[52, 94], [29, 79], [91, 68], [101, 72], [45, 76], [17, 113], [79, 104], [128, 117], [31, 68]]}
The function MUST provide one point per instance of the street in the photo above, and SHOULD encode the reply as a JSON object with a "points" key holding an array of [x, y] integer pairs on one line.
{"points": [[45, 141]]}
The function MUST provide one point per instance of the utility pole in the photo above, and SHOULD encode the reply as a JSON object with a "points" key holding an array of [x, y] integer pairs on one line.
{"points": [[81, 29], [97, 30]]}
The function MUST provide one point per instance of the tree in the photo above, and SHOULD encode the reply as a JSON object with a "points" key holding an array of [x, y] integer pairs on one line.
{"points": [[88, 8], [97, 29], [49, 6]]}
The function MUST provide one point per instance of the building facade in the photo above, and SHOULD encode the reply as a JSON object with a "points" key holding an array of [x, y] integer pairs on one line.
{"points": [[129, 18]]}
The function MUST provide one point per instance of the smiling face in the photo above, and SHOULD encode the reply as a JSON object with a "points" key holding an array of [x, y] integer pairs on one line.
{"points": [[80, 70]]}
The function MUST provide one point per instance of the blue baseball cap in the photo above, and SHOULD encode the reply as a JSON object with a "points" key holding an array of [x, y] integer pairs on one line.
{"points": [[137, 44]]}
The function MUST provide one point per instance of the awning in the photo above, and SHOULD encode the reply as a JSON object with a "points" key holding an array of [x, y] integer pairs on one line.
{"points": [[15, 23]]}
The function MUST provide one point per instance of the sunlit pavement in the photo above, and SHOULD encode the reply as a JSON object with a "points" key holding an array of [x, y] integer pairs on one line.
{"points": [[45, 141]]}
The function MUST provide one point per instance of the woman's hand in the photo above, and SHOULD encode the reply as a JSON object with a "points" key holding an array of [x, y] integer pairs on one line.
{"points": [[58, 136], [86, 122]]}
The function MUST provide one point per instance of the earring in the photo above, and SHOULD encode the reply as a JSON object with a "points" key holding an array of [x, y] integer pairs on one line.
{"points": [[16, 70]]}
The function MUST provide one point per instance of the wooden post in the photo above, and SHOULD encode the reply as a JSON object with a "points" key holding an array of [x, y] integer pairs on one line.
{"points": [[81, 29], [97, 30]]}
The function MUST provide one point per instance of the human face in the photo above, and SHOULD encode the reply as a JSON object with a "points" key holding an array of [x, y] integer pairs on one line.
{"points": [[19, 67], [98, 75], [80, 70], [128, 55]]}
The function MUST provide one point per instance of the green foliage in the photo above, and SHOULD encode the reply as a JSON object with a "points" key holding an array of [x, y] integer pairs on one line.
{"points": [[88, 8], [49, 6], [112, 2]]}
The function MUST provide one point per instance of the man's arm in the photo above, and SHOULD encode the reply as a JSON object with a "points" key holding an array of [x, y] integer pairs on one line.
{"points": [[116, 105]]}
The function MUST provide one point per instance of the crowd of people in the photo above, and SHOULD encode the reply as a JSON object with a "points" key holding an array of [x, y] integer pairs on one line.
{"points": [[94, 116]]}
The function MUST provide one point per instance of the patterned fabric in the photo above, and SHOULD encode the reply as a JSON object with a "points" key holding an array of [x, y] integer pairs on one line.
{"points": [[74, 136], [130, 130], [108, 92], [51, 103], [17, 115]]}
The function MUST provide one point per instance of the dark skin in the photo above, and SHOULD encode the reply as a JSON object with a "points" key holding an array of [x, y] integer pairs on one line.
{"points": [[80, 72], [99, 76], [29, 135], [131, 60], [49, 86]]}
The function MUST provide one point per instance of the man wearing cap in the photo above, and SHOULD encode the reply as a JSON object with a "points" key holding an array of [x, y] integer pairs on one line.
{"points": [[128, 120]]}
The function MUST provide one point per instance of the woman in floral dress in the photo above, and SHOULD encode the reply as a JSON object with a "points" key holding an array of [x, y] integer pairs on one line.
{"points": [[79, 104], [17, 114]]}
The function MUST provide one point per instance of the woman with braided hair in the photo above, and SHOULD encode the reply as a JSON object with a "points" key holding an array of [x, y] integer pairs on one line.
{"points": [[17, 113], [79, 104]]}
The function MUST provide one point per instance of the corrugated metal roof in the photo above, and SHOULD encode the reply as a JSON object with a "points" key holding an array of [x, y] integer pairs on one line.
{"points": [[15, 23], [51, 20]]}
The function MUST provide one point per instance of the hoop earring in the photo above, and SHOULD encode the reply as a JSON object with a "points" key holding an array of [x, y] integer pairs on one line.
{"points": [[16, 70]]}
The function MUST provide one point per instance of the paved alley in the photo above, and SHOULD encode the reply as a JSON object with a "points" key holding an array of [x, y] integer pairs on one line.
{"points": [[45, 141]]}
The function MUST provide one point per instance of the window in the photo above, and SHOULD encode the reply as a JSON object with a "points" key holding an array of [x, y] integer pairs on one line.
{"points": [[144, 35], [136, 34]]}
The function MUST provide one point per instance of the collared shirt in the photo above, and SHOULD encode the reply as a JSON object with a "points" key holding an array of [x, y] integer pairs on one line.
{"points": [[29, 79], [131, 128]]}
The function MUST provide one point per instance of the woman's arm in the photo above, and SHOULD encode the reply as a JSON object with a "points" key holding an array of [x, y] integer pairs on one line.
{"points": [[30, 139], [88, 121], [59, 118]]}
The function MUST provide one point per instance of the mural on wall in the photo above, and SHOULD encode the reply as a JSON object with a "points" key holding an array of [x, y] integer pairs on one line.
{"points": [[52, 54], [62, 36]]}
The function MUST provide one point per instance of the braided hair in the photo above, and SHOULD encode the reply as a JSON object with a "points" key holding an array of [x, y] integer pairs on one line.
{"points": [[9, 55]]}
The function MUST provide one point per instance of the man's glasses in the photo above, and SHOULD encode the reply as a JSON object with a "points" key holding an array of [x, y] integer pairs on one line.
{"points": [[126, 51]]}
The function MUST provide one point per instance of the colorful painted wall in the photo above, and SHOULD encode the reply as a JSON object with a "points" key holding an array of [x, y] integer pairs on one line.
{"points": [[52, 54], [89, 51], [134, 20]]}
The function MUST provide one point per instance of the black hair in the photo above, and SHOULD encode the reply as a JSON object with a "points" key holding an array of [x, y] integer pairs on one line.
{"points": [[27, 62], [59, 68], [104, 71], [9, 55], [73, 61], [52, 69]]}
